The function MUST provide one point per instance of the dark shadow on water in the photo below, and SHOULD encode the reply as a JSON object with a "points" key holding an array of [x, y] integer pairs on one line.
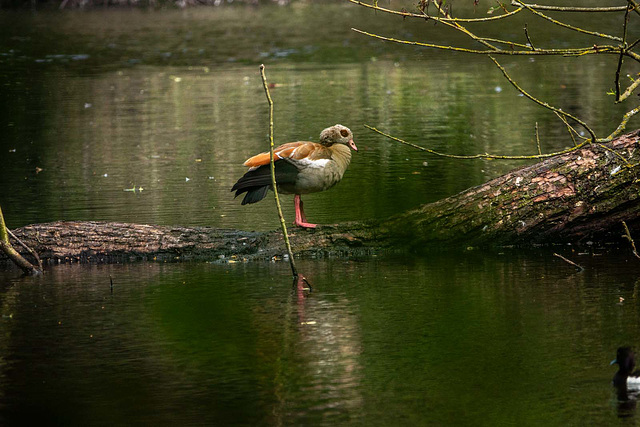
{"points": [[627, 402]]}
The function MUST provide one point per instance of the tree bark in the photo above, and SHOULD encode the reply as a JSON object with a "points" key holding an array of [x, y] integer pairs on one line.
{"points": [[575, 198]]}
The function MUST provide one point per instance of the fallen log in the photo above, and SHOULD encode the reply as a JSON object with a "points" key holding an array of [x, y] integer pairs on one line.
{"points": [[579, 197]]}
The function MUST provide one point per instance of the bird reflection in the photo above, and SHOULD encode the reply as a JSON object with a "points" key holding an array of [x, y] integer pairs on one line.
{"points": [[626, 402]]}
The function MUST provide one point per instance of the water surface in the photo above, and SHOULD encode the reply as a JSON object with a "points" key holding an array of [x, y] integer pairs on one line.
{"points": [[96, 103], [474, 340]]}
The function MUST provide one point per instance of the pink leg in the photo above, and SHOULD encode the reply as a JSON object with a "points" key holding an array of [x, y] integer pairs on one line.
{"points": [[301, 219], [302, 215]]}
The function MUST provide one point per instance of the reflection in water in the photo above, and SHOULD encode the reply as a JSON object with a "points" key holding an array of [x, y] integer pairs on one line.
{"points": [[626, 403], [330, 342], [324, 351]]}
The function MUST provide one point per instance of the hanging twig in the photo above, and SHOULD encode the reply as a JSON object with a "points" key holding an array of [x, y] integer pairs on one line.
{"points": [[622, 52], [292, 262], [491, 49], [526, 33], [570, 129], [627, 235], [538, 140]]}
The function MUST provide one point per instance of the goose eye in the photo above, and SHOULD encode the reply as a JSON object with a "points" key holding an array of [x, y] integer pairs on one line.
{"points": [[344, 132]]}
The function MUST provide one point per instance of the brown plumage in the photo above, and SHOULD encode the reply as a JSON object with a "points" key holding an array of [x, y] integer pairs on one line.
{"points": [[302, 167]]}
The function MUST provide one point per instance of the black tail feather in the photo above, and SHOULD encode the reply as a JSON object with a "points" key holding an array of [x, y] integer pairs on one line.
{"points": [[255, 195], [257, 182]]}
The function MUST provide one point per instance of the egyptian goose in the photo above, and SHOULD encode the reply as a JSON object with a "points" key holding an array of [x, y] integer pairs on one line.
{"points": [[301, 167]]}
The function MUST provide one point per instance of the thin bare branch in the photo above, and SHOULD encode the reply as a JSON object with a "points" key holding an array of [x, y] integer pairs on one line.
{"points": [[606, 49], [635, 6], [570, 129], [526, 33], [538, 140], [630, 90], [509, 43], [435, 18], [541, 103], [622, 125], [622, 51], [463, 29], [571, 8], [477, 156], [444, 17], [632, 55], [570, 27]]}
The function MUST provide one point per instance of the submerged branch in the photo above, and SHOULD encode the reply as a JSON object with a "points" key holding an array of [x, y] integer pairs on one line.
{"points": [[568, 261]]}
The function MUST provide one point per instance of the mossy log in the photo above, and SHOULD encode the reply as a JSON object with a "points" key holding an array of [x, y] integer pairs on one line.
{"points": [[574, 198]]}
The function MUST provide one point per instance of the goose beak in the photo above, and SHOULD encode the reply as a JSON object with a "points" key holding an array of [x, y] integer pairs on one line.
{"points": [[353, 145], [613, 362]]}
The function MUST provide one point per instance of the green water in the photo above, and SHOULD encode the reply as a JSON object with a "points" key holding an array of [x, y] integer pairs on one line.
{"points": [[94, 103]]}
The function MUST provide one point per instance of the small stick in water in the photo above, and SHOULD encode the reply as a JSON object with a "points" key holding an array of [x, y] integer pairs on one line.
{"points": [[578, 267]]}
